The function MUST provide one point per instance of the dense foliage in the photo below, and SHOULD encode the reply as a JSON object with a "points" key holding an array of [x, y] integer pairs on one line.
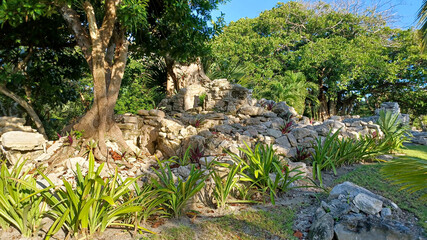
{"points": [[348, 56]]}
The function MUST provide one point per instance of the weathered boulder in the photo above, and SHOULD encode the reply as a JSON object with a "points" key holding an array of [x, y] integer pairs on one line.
{"points": [[357, 226], [22, 141], [282, 109], [274, 133], [11, 121], [301, 133], [283, 142], [251, 110], [352, 190], [322, 229], [368, 204]]}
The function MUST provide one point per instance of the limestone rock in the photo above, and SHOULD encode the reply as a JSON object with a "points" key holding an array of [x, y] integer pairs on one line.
{"points": [[283, 142], [157, 113], [322, 229], [184, 171], [251, 110], [371, 228], [301, 133], [274, 133], [282, 108], [143, 112], [368, 204], [22, 141], [7, 121], [351, 190]]}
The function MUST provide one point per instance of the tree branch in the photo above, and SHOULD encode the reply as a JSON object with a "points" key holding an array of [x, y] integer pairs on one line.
{"points": [[108, 22], [21, 65], [73, 21], [26, 106], [91, 19]]}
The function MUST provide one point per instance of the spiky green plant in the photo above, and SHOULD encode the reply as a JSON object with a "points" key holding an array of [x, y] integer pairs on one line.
{"points": [[178, 194], [395, 133], [261, 167], [410, 172], [149, 199], [323, 156], [21, 205], [224, 185], [94, 204]]}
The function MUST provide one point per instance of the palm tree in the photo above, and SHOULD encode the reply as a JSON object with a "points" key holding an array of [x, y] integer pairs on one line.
{"points": [[422, 21], [293, 88]]}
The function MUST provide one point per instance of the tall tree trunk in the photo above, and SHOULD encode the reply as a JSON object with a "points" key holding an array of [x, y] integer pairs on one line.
{"points": [[26, 106], [105, 50], [323, 104], [171, 86]]}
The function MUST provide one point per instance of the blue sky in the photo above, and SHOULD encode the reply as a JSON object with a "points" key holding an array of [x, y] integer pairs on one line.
{"points": [[406, 10]]}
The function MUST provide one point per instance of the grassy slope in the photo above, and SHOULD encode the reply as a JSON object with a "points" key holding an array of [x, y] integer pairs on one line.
{"points": [[369, 176], [262, 224]]}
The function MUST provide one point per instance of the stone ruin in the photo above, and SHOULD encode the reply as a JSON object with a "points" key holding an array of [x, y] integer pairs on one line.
{"points": [[213, 117]]}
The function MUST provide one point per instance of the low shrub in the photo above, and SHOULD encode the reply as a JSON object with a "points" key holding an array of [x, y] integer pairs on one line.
{"points": [[323, 156], [332, 152], [149, 199]]}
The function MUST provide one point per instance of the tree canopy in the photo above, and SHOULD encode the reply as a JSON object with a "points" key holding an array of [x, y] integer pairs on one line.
{"points": [[348, 55], [103, 32]]}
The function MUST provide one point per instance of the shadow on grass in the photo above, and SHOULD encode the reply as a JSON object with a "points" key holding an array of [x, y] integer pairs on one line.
{"points": [[274, 223]]}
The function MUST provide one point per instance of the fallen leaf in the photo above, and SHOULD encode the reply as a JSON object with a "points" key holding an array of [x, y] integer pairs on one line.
{"points": [[298, 234]]}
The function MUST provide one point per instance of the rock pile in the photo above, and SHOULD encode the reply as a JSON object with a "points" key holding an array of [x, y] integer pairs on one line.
{"points": [[419, 137], [18, 141], [222, 116], [353, 212]]}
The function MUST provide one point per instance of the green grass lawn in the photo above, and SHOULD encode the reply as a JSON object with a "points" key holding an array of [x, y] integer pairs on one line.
{"points": [[276, 223], [369, 176]]}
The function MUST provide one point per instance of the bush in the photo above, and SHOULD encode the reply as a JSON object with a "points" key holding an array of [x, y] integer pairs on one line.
{"points": [[333, 152], [224, 185], [149, 199]]}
